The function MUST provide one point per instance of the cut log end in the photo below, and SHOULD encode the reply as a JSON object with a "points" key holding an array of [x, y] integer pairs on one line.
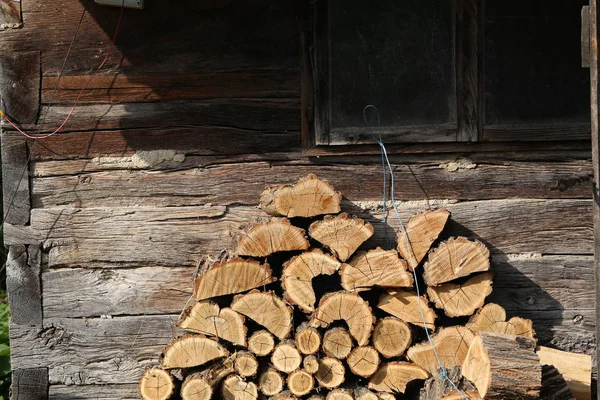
{"points": [[205, 317], [342, 234], [245, 364], [492, 318], [270, 382], [261, 343], [363, 361], [308, 339], [310, 364], [286, 358], [190, 351], [300, 383], [462, 299], [404, 304], [235, 388], [455, 258], [340, 394], [376, 267], [337, 342], [391, 337], [271, 237], [156, 384], [266, 309], [422, 229], [331, 372], [394, 376]]}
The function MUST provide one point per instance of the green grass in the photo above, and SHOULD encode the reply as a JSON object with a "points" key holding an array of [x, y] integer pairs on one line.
{"points": [[4, 347]]}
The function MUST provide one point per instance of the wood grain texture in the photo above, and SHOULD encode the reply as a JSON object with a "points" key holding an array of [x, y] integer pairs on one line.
{"points": [[15, 180], [20, 85], [29, 384], [126, 391], [10, 14], [23, 284]]}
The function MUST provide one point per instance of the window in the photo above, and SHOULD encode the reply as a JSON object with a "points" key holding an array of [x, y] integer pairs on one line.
{"points": [[445, 71]]}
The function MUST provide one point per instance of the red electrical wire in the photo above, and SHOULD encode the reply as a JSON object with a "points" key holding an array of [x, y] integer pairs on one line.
{"points": [[5, 117]]}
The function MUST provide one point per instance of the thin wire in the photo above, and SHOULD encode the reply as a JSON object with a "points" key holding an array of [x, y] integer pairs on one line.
{"points": [[386, 163]]}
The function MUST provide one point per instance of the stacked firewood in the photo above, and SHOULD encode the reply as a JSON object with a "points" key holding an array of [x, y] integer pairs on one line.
{"points": [[299, 312]]}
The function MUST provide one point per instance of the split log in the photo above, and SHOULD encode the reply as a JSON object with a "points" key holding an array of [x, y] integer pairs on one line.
{"points": [[271, 237], [422, 230], [311, 364], [266, 309], [300, 383], [386, 396], [270, 382], [337, 342], [503, 366], [298, 273], [404, 304], [190, 351], [376, 267], [230, 277], [286, 358], [363, 393], [391, 337], [451, 346], [437, 387], [454, 395], [284, 396], [394, 376], [308, 339], [156, 384], [309, 197], [363, 361], [202, 385], [340, 394], [462, 299], [455, 258], [235, 388], [245, 364], [575, 368], [261, 343], [492, 318], [205, 317], [555, 387], [342, 234], [316, 397], [331, 372], [347, 306]]}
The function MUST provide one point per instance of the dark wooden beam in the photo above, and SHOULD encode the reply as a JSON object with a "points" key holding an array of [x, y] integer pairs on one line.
{"points": [[29, 384]]}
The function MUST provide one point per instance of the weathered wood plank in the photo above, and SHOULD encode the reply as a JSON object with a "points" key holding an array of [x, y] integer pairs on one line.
{"points": [[20, 85], [29, 384], [64, 183], [94, 392], [10, 14], [23, 285], [15, 180]]}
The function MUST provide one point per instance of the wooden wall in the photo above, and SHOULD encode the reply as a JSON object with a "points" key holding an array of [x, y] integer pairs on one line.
{"points": [[197, 109]]}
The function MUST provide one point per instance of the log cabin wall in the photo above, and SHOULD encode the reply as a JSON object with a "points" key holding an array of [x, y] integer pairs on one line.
{"points": [[164, 158]]}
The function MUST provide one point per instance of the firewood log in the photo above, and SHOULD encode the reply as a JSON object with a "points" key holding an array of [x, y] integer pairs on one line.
{"points": [[438, 387], [404, 304], [575, 368], [310, 364], [156, 384], [503, 366], [455, 258], [300, 383], [308, 339], [422, 229], [349, 307], [266, 309], [363, 393], [391, 337], [298, 273], [309, 197], [316, 397], [202, 385], [339, 394], [283, 396], [394, 376], [462, 299], [451, 345], [385, 396], [363, 361], [554, 385], [376, 267], [261, 343], [337, 342], [205, 317], [492, 318], [245, 364], [286, 358], [271, 237], [342, 234], [331, 373], [270, 382], [235, 388], [190, 351]]}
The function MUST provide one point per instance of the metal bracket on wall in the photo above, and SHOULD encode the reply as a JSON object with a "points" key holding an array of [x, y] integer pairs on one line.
{"points": [[138, 4]]}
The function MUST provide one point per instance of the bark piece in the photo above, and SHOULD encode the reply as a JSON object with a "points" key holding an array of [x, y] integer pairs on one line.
{"points": [[261, 343], [404, 304], [202, 385], [286, 358], [503, 366], [394, 376], [270, 382], [266, 309], [190, 351], [555, 387], [298, 274], [363, 361], [451, 345], [462, 299], [271, 237], [235, 388], [245, 364], [337, 342], [331, 372], [455, 258], [438, 387], [308, 339], [391, 337], [340, 394], [575, 368], [230, 277], [422, 229], [309, 197], [349, 307], [342, 234], [492, 318], [156, 384], [311, 364], [205, 317], [300, 383], [376, 267]]}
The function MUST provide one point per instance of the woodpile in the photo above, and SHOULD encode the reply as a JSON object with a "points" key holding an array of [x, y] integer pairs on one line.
{"points": [[305, 310]]}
